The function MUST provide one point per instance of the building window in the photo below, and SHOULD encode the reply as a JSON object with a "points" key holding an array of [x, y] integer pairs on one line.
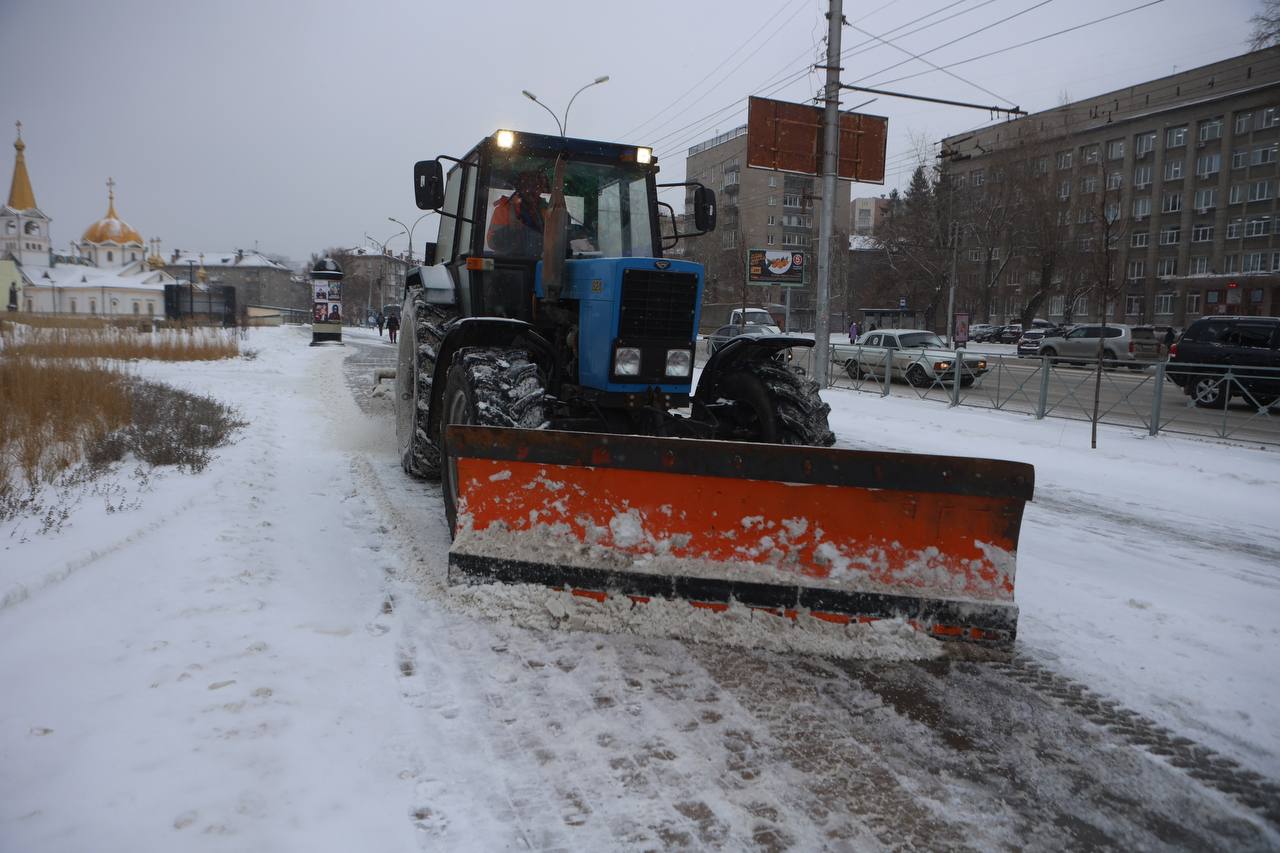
{"points": [[1275, 261], [1175, 137], [1237, 194], [151, 309], [1064, 159], [773, 201], [1170, 235], [1040, 166], [1142, 176], [1255, 295], [1064, 189], [1230, 264], [1166, 267], [133, 256], [137, 309], [1193, 303], [1200, 265], [1172, 203], [1243, 121], [28, 306], [110, 257], [1254, 262], [768, 240], [1234, 227], [771, 221], [1239, 159], [1136, 270], [1173, 170], [1081, 307], [1141, 208], [1085, 215], [1055, 306], [729, 239], [1115, 180], [1259, 191], [1201, 233], [1139, 239], [1270, 118], [1089, 154], [1115, 149], [1144, 143], [1211, 297], [1113, 211], [1208, 164], [1263, 155], [773, 181], [1206, 199], [1211, 129], [975, 254], [1133, 305], [1259, 226], [1164, 303], [1089, 184], [93, 306], [979, 177], [73, 306], [731, 178]]}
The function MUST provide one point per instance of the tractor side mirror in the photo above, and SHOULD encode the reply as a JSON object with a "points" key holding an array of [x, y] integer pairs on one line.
{"points": [[428, 184], [704, 209]]}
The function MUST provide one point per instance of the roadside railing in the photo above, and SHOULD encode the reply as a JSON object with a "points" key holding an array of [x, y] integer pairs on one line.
{"points": [[1227, 401]]}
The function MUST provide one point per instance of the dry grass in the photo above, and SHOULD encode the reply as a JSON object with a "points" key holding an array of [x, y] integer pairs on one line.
{"points": [[65, 399], [120, 344]]}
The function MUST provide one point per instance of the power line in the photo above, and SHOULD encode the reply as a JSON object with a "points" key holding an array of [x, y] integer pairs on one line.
{"points": [[723, 62], [935, 67]]}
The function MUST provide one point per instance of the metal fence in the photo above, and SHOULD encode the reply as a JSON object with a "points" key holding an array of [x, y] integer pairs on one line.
{"points": [[1235, 402]]}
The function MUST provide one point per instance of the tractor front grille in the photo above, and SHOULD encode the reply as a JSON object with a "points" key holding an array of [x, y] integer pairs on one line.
{"points": [[657, 305]]}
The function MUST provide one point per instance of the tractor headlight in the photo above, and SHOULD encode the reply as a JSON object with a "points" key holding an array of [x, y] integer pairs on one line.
{"points": [[626, 361], [679, 362], [644, 156], [506, 139]]}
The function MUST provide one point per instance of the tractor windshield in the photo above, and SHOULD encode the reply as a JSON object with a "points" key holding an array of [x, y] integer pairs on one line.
{"points": [[608, 206]]}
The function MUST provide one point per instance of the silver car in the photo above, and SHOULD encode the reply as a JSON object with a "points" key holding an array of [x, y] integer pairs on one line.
{"points": [[1080, 345], [915, 355]]}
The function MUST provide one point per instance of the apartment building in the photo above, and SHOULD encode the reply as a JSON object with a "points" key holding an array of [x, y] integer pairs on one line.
{"points": [[760, 209], [867, 215], [1190, 165]]}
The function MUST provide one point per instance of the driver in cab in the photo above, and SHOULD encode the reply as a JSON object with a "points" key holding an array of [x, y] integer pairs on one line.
{"points": [[515, 226]]}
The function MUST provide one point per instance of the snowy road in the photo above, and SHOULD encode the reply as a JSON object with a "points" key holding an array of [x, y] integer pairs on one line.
{"points": [[265, 656]]}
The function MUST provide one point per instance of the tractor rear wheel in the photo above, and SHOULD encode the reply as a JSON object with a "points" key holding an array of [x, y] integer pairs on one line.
{"points": [[422, 330], [487, 387]]}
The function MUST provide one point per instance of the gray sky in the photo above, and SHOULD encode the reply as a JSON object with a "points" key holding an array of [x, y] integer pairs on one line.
{"points": [[296, 124]]}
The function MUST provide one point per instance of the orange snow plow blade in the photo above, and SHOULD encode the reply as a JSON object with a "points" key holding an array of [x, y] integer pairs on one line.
{"points": [[838, 535]]}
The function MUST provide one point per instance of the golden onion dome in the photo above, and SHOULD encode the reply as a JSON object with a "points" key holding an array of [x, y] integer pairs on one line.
{"points": [[111, 228]]}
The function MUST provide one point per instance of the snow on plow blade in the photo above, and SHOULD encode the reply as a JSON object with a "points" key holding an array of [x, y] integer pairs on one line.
{"points": [[838, 535]]}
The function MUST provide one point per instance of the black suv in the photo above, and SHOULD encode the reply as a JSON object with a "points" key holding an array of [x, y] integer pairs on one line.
{"points": [[1247, 346]]}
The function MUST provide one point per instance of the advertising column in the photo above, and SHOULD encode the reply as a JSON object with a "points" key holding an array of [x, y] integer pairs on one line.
{"points": [[326, 307]]}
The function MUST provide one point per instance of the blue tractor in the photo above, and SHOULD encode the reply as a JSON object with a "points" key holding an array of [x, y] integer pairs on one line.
{"points": [[549, 306]]}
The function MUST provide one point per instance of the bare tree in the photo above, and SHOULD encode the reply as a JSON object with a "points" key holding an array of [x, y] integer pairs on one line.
{"points": [[915, 239], [1266, 25]]}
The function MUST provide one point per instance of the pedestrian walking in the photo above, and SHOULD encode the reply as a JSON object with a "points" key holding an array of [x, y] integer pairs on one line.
{"points": [[381, 321], [853, 332], [393, 326]]}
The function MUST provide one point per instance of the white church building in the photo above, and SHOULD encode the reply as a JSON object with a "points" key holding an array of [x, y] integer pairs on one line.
{"points": [[106, 272]]}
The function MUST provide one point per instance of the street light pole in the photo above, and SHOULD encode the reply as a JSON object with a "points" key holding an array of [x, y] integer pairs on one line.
{"points": [[409, 230], [562, 125]]}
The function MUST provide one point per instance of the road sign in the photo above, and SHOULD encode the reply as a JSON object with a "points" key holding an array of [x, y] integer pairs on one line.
{"points": [[767, 266], [902, 302], [788, 137]]}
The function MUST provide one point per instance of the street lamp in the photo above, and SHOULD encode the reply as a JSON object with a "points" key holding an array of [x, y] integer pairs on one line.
{"points": [[409, 230], [563, 125]]}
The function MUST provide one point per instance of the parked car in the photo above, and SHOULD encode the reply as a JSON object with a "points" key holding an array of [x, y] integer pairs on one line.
{"points": [[1247, 346], [753, 317], [724, 334], [916, 356], [981, 332], [1029, 343], [1149, 342], [1008, 334], [1080, 345]]}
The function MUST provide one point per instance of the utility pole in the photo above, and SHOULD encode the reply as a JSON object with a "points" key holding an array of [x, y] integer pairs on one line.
{"points": [[830, 158]]}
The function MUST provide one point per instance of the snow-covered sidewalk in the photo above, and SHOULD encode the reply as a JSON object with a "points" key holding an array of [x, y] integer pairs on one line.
{"points": [[263, 656]]}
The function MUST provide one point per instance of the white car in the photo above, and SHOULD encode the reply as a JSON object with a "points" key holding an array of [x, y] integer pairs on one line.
{"points": [[916, 356]]}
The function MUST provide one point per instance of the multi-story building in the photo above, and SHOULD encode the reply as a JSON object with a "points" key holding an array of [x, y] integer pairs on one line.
{"points": [[867, 214], [761, 209], [1188, 166], [258, 280]]}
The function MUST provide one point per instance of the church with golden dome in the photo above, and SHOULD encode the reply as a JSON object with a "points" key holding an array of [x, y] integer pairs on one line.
{"points": [[107, 271]]}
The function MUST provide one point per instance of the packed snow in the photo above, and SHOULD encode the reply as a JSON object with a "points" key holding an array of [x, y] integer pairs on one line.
{"points": [[265, 656]]}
